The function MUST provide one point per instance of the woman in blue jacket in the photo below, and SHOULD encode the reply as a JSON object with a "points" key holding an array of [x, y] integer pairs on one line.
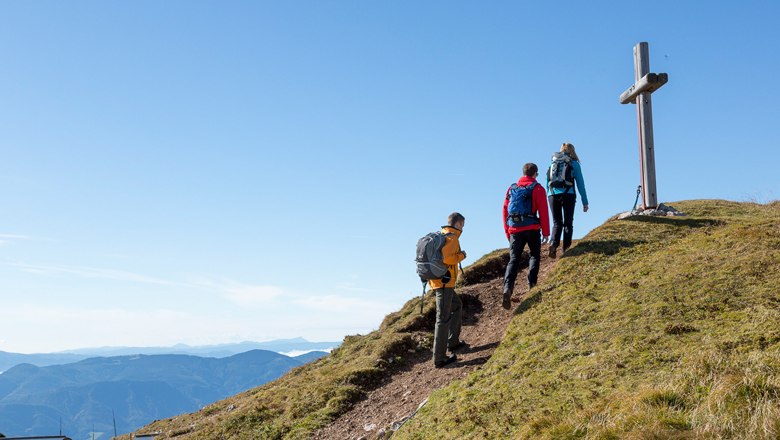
{"points": [[561, 195]]}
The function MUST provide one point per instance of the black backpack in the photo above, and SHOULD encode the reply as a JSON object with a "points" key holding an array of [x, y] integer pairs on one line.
{"points": [[560, 174]]}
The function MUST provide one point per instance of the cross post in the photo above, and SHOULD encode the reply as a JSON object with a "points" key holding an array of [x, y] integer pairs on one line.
{"points": [[645, 83]]}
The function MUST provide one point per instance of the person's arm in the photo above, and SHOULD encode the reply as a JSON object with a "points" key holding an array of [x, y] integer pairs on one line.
{"points": [[542, 211], [580, 183], [547, 177], [451, 253], [506, 214]]}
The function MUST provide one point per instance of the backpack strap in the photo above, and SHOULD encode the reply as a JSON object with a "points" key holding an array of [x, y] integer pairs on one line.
{"points": [[509, 191]]}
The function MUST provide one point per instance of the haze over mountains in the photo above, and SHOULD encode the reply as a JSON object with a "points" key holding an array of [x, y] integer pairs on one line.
{"points": [[134, 388], [290, 347]]}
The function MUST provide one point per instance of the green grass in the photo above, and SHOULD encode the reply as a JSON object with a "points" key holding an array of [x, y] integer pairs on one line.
{"points": [[648, 328]]}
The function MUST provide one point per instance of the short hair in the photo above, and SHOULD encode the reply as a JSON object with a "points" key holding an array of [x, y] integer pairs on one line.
{"points": [[530, 169], [455, 217]]}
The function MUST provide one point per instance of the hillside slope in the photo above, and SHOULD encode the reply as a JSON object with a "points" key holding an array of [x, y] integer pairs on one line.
{"points": [[349, 386], [648, 328]]}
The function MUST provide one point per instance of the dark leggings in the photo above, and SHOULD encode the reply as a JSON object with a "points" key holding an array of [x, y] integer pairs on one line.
{"points": [[562, 206]]}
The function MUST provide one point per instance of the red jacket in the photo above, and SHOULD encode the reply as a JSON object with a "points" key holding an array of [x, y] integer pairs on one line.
{"points": [[539, 206]]}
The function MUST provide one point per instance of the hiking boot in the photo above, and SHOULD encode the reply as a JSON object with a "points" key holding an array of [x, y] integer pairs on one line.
{"points": [[507, 302], [553, 251], [460, 345], [531, 285], [448, 360]]}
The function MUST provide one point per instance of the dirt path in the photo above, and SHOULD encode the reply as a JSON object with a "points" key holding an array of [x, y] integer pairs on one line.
{"points": [[484, 323]]}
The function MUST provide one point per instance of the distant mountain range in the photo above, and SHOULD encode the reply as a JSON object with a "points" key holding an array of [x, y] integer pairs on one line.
{"points": [[134, 389], [218, 351], [284, 346]]}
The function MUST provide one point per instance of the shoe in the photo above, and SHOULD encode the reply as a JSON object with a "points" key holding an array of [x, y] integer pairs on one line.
{"points": [[448, 360], [459, 345], [507, 302], [553, 251], [531, 285]]}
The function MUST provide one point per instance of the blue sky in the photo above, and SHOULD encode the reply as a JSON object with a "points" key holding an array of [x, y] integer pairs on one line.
{"points": [[208, 172]]}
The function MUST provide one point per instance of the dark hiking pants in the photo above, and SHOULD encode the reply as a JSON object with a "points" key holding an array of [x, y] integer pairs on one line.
{"points": [[449, 310], [562, 207], [517, 242]]}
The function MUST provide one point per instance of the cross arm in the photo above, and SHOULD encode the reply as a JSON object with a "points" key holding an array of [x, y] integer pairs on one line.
{"points": [[648, 83]]}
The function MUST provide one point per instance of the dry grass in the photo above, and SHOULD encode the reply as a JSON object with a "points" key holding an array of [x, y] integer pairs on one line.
{"points": [[649, 328]]}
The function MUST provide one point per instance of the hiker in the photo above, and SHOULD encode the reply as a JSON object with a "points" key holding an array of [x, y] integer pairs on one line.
{"points": [[525, 216], [449, 308], [564, 171]]}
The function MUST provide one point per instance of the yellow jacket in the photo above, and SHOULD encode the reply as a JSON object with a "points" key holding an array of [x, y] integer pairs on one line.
{"points": [[451, 255]]}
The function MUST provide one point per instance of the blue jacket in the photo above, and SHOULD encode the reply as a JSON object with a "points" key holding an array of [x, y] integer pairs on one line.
{"points": [[578, 179]]}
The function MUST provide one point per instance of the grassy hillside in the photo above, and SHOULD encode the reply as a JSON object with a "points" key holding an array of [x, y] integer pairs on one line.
{"points": [[649, 328], [311, 396]]}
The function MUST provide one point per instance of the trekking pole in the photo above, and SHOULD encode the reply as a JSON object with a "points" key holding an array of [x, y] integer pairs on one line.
{"points": [[461, 269], [638, 190], [422, 297]]}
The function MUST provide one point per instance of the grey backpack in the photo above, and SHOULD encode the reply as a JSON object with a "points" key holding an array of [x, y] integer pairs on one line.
{"points": [[560, 173], [429, 258]]}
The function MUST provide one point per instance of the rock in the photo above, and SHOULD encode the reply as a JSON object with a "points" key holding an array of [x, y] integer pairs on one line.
{"points": [[660, 211], [369, 427], [397, 425]]}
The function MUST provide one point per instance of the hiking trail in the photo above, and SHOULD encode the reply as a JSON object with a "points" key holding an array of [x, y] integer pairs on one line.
{"points": [[400, 395]]}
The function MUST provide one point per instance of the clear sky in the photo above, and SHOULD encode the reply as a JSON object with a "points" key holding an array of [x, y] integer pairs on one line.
{"points": [[208, 172]]}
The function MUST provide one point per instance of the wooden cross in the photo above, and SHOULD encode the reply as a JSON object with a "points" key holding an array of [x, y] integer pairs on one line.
{"points": [[645, 83]]}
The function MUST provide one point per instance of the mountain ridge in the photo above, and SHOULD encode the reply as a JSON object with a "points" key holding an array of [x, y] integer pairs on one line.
{"points": [[136, 389], [9, 359]]}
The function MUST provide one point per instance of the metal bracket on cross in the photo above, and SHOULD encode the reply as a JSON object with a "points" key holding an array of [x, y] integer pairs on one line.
{"points": [[645, 83]]}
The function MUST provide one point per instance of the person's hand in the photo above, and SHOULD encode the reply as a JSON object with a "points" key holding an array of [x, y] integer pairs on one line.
{"points": [[464, 254], [584, 208], [545, 239]]}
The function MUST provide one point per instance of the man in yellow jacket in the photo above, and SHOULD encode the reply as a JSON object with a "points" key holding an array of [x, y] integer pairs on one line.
{"points": [[449, 308]]}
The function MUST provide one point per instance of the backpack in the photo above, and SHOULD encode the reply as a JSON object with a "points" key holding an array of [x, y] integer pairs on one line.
{"points": [[520, 209], [430, 264], [560, 173]]}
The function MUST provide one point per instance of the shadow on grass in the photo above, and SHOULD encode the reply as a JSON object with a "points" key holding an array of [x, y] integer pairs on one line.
{"points": [[612, 247], [476, 361], [482, 347], [528, 303], [675, 221], [604, 247]]}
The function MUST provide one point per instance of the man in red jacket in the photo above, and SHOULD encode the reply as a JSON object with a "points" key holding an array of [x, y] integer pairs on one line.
{"points": [[524, 218]]}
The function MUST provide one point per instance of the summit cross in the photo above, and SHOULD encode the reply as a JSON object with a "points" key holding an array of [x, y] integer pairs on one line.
{"points": [[645, 83]]}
